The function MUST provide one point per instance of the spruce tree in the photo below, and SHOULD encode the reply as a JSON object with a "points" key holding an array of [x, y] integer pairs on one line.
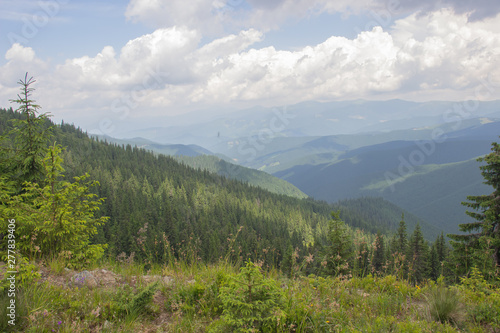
{"points": [[434, 263], [340, 250], [402, 236], [378, 253], [480, 245], [30, 136], [417, 256]]}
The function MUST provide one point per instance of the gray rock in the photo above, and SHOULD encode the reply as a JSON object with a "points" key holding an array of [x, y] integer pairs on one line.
{"points": [[84, 278]]}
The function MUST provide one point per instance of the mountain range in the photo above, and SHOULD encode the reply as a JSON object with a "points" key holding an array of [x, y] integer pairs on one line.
{"points": [[419, 156]]}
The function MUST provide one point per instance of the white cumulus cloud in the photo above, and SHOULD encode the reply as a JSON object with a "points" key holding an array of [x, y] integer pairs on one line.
{"points": [[439, 55]]}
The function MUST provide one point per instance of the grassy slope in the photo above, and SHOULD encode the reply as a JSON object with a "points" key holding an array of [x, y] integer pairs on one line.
{"points": [[188, 299]]}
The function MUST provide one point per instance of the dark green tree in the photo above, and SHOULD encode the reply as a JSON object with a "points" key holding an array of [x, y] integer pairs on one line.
{"points": [[339, 253], [418, 265], [480, 244], [402, 236], [56, 219], [378, 253], [29, 137], [434, 265]]}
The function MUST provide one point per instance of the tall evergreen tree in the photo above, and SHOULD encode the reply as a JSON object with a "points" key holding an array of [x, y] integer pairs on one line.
{"points": [[481, 243], [339, 252], [402, 235], [434, 264], [417, 256], [378, 253], [29, 136]]}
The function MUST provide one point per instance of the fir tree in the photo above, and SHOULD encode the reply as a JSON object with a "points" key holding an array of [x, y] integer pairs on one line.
{"points": [[30, 136], [417, 256], [401, 235], [481, 244], [339, 251], [378, 253]]}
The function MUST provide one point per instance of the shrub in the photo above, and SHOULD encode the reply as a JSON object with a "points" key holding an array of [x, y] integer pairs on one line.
{"points": [[252, 302], [443, 304]]}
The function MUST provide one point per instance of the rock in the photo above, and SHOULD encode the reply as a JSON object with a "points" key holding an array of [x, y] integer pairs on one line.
{"points": [[84, 278], [147, 279], [105, 278]]}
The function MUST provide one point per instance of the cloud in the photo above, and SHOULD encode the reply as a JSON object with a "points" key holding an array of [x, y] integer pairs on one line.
{"points": [[440, 55], [20, 59], [478, 9], [163, 51], [216, 17], [202, 15]]}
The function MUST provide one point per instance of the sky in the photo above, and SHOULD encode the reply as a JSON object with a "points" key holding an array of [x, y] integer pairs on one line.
{"points": [[106, 64]]}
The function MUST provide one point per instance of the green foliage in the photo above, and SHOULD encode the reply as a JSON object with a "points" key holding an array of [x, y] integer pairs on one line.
{"points": [[198, 296], [193, 303], [375, 214], [29, 137], [252, 302], [251, 176], [378, 260], [481, 244], [418, 249], [340, 248], [57, 217], [444, 304], [138, 303], [483, 299]]}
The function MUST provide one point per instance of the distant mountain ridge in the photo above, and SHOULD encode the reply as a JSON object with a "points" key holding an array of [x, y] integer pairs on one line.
{"points": [[200, 158], [347, 149]]}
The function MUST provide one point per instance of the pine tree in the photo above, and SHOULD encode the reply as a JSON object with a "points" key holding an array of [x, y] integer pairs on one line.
{"points": [[417, 256], [30, 136], [58, 217], [339, 251], [378, 253], [402, 236], [481, 243], [434, 263]]}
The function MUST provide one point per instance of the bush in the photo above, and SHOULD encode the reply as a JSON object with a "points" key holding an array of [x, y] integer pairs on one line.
{"points": [[252, 302], [443, 304]]}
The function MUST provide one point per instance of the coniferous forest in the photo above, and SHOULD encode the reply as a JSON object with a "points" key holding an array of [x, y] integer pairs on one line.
{"points": [[237, 257]]}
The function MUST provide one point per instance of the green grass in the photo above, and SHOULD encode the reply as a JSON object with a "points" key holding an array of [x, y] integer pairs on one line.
{"points": [[192, 302]]}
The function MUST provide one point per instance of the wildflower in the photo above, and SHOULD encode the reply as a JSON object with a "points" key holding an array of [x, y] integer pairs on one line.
{"points": [[59, 322]]}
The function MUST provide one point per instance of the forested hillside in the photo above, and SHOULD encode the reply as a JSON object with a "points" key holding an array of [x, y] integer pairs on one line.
{"points": [[172, 206], [149, 212], [176, 208], [200, 158]]}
